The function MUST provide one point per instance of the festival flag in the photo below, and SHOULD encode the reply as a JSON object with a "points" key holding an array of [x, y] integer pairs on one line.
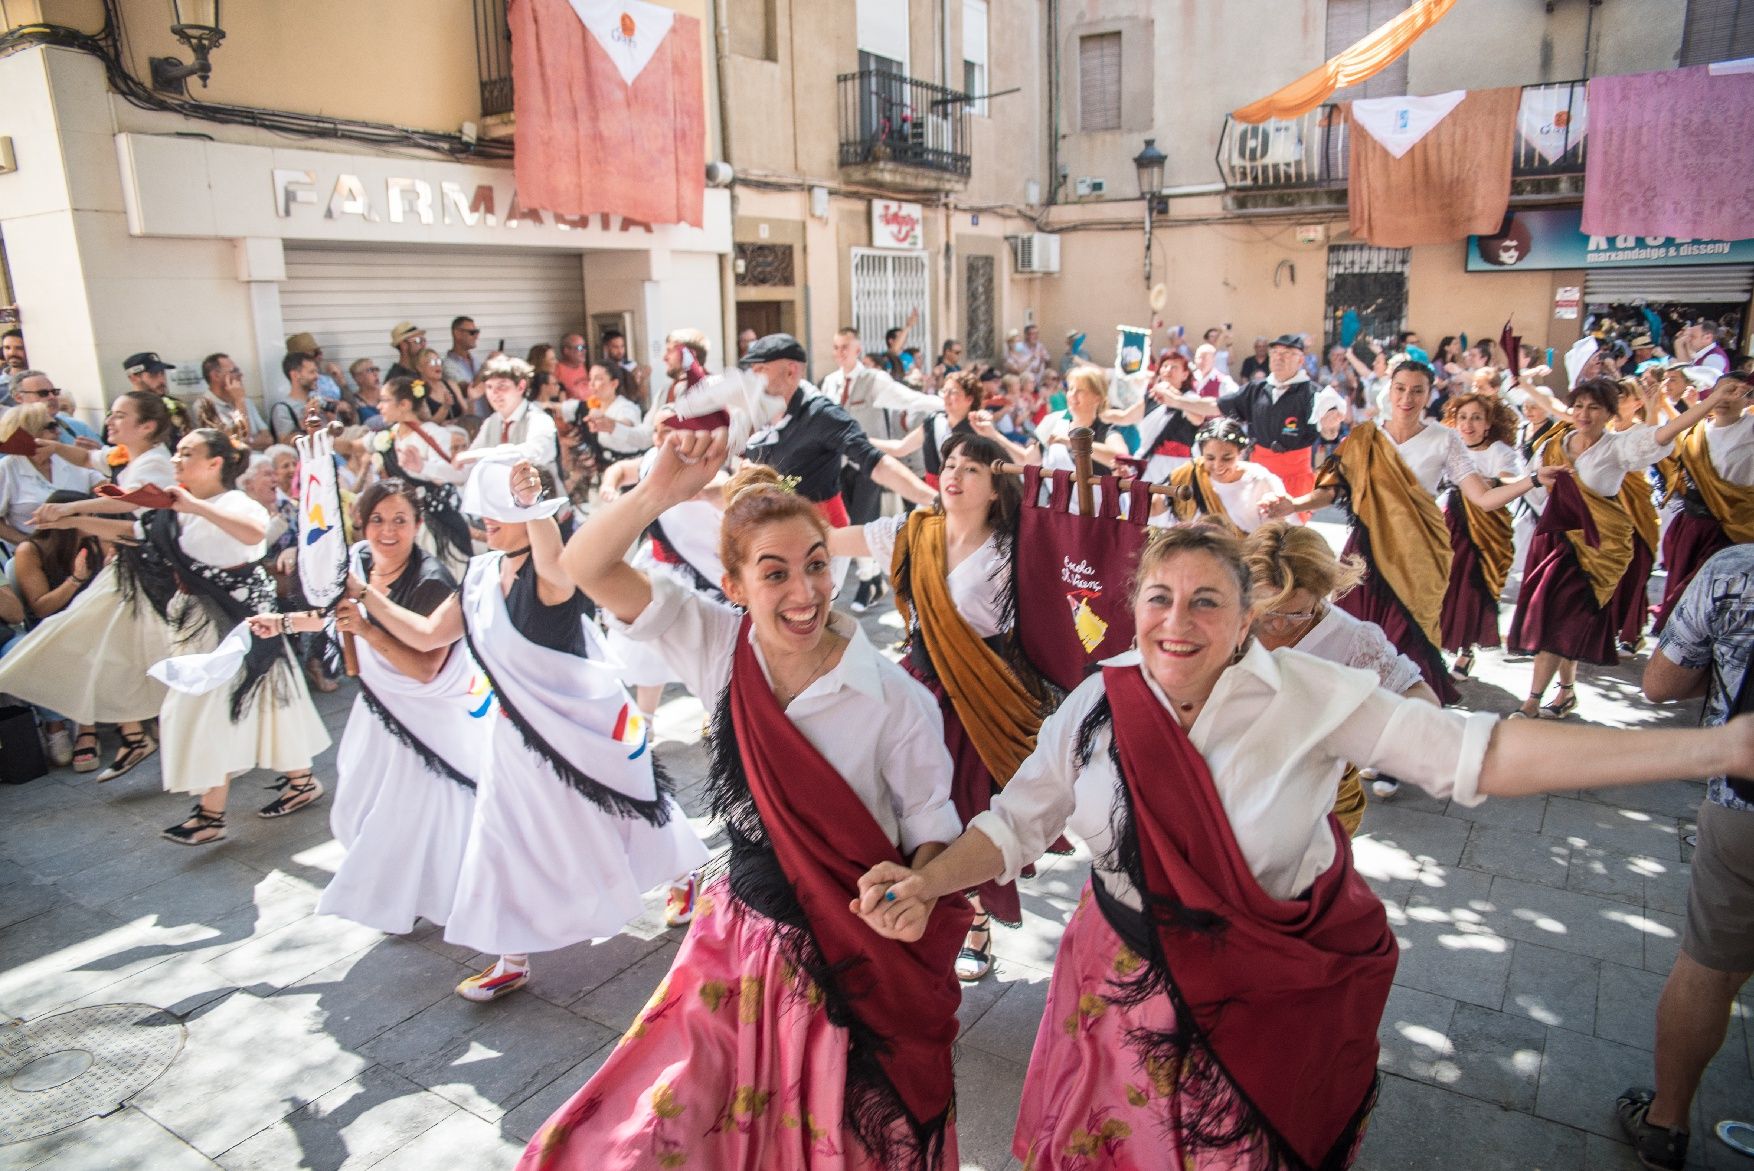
{"points": [[1512, 345], [322, 539], [611, 114]]}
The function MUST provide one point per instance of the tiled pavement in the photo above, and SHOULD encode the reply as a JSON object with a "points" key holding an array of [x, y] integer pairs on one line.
{"points": [[1534, 938]]}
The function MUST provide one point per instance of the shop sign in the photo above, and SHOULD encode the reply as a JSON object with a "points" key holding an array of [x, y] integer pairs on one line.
{"points": [[1566, 300], [404, 200], [1554, 238], [896, 225]]}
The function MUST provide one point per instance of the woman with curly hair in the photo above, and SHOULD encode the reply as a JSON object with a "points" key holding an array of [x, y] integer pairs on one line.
{"points": [[1482, 547]]}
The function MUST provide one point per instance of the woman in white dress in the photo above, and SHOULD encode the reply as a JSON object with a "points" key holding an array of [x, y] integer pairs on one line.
{"points": [[89, 661], [1086, 396], [1388, 476], [1222, 484], [407, 766], [1296, 578], [210, 543], [573, 819], [616, 416], [416, 449]]}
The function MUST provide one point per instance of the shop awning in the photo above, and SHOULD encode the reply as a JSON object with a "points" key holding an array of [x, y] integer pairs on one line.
{"points": [[1362, 61]]}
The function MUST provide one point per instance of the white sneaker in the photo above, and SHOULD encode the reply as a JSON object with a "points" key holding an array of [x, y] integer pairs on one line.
{"points": [[1383, 787], [59, 745]]}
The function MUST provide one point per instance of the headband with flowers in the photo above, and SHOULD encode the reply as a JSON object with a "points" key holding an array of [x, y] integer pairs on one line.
{"points": [[418, 388]]}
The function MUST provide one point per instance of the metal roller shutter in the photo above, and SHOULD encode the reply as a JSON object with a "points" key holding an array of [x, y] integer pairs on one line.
{"points": [[1731, 283], [348, 298]]}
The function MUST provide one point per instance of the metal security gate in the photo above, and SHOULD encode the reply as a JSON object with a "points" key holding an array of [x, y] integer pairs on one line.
{"points": [[1371, 282], [887, 286]]}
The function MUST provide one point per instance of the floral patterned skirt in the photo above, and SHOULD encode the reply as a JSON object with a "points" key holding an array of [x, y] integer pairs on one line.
{"points": [[1089, 1102], [732, 1064]]}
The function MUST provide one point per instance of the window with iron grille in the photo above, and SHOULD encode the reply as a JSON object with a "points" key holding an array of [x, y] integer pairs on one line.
{"points": [[1371, 282], [1717, 30], [1099, 82], [493, 57], [765, 266], [887, 286]]}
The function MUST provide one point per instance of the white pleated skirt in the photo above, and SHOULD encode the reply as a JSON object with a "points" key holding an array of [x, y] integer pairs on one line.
{"points": [[89, 662]]}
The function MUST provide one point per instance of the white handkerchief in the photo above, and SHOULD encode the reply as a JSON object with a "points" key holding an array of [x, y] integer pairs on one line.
{"points": [[199, 674], [630, 31], [1399, 123]]}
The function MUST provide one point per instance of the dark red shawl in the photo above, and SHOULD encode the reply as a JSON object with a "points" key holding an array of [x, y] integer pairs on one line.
{"points": [[1284, 994], [825, 839]]}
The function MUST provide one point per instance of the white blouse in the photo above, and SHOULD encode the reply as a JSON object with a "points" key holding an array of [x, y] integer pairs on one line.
{"points": [[1276, 734], [1242, 498], [879, 729], [152, 466], [435, 469], [1341, 638], [209, 544], [1495, 460], [977, 585], [628, 436], [1732, 449], [1435, 454], [1605, 466], [23, 488]]}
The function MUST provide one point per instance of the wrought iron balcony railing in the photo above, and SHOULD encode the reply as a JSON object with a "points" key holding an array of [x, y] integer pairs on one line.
{"points": [[1311, 152], [493, 57], [888, 117]]}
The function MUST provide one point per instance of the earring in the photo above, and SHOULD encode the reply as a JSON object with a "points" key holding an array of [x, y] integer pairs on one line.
{"points": [[1241, 650]]}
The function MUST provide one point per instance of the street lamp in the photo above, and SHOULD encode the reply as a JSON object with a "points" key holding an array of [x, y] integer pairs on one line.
{"points": [[1149, 163], [196, 24]]}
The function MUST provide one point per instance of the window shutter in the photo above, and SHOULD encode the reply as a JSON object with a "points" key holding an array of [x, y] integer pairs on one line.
{"points": [[1350, 21], [1717, 30], [1099, 82]]}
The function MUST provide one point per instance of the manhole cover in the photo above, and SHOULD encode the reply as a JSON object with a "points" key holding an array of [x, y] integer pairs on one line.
{"points": [[65, 1068]]}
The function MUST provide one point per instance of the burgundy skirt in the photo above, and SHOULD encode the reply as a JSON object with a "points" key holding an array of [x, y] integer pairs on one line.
{"points": [[1556, 609], [971, 790], [1470, 613], [1374, 601], [1631, 602], [1689, 543]]}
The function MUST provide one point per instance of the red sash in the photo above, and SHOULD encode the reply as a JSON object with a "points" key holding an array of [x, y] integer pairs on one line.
{"points": [[834, 511], [825, 839], [1289, 993]]}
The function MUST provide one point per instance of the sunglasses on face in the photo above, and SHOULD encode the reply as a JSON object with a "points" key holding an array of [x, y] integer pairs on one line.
{"points": [[470, 332], [37, 394]]}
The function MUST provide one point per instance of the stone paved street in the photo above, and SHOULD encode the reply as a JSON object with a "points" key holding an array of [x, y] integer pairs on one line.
{"points": [[1534, 935]]}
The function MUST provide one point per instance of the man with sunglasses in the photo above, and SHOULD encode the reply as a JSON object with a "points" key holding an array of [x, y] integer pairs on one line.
{"points": [[33, 386], [572, 370], [460, 361]]}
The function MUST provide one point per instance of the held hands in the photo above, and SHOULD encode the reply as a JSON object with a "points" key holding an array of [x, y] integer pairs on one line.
{"points": [[686, 463], [1274, 507], [903, 916], [1548, 475], [47, 516]]}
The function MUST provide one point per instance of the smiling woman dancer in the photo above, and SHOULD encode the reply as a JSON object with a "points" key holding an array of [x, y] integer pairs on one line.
{"points": [[1221, 483], [573, 821], [89, 661], [1481, 541], [953, 585], [786, 1035], [1216, 1003], [409, 759], [1388, 475], [1565, 611], [1715, 483]]}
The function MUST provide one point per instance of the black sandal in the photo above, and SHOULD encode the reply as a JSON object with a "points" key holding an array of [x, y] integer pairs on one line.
{"points": [[1560, 708], [1462, 667], [1656, 1147], [189, 831], [973, 963], [85, 755], [132, 751], [294, 795]]}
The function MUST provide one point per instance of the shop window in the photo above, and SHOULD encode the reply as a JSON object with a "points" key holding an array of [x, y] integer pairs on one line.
{"points": [[981, 333], [1717, 30], [974, 54], [765, 266], [1371, 282], [1099, 82], [1350, 21], [887, 286], [754, 29]]}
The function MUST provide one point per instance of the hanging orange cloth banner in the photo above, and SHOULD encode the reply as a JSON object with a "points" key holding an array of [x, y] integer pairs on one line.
{"points": [[1362, 61]]}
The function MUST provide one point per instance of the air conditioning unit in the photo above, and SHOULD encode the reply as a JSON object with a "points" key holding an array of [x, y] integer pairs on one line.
{"points": [[1085, 187], [1266, 144], [1038, 252]]}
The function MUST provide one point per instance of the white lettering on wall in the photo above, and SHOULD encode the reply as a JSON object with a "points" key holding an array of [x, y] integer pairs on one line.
{"points": [[349, 198], [471, 210], [292, 187], [399, 189], [413, 200]]}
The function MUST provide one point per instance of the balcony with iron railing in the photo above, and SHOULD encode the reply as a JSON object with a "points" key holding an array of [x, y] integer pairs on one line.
{"points": [[1304, 160], [493, 66], [901, 133]]}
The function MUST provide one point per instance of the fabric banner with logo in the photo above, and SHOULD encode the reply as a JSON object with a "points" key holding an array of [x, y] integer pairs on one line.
{"points": [[611, 115], [1075, 576], [1422, 173], [1553, 120], [322, 538]]}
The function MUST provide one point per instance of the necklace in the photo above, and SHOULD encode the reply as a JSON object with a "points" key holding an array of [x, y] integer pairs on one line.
{"points": [[786, 696]]}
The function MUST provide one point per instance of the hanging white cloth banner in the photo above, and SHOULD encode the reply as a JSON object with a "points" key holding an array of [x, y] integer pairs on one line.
{"points": [[322, 540], [630, 31], [1553, 119], [199, 674], [1399, 123]]}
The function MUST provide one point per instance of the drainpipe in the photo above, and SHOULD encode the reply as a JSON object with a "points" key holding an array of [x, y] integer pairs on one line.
{"points": [[1053, 39], [728, 262]]}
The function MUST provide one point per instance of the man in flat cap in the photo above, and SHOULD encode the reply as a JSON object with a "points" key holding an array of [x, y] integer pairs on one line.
{"points": [[1277, 410]]}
